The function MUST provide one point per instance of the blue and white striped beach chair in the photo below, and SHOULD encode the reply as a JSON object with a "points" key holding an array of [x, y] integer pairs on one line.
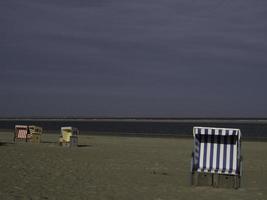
{"points": [[217, 153]]}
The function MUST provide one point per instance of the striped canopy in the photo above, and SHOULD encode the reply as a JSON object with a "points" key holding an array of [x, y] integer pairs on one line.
{"points": [[217, 150], [217, 131]]}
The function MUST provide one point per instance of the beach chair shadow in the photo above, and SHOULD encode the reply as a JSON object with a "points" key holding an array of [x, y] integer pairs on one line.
{"points": [[6, 143], [83, 145], [49, 142]]}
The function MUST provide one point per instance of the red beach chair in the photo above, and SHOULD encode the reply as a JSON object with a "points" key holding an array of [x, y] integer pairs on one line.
{"points": [[22, 133]]}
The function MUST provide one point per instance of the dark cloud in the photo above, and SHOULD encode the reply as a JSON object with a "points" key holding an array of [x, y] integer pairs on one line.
{"points": [[133, 58]]}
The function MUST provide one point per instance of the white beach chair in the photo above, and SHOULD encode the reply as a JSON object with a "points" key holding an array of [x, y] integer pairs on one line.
{"points": [[216, 156]]}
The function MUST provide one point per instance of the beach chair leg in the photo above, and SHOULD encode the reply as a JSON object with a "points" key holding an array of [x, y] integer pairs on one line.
{"points": [[215, 180], [192, 182], [195, 178], [237, 182], [192, 179], [193, 174], [238, 178], [241, 171], [15, 135]]}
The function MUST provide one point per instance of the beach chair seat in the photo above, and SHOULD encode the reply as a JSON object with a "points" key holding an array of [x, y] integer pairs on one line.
{"points": [[216, 153]]}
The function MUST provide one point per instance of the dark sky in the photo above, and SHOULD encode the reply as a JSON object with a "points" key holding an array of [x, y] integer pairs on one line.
{"points": [[160, 58]]}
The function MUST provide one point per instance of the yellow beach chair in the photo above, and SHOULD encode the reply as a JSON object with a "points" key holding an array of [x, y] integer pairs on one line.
{"points": [[69, 136]]}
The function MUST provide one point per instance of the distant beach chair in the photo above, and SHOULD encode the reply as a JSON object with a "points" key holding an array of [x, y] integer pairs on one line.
{"points": [[69, 136], [27, 133], [36, 133], [216, 157], [21, 133]]}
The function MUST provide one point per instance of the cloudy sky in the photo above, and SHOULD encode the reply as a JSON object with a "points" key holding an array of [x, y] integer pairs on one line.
{"points": [[159, 58]]}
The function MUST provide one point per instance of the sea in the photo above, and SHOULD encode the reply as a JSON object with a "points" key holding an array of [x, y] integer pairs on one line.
{"points": [[250, 128]]}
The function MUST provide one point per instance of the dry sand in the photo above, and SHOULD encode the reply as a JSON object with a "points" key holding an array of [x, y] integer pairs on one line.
{"points": [[111, 167]]}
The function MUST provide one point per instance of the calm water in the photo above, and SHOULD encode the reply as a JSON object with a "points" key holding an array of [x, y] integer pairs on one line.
{"points": [[249, 128]]}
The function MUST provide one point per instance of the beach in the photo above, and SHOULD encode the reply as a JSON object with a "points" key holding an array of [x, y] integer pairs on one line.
{"points": [[117, 167]]}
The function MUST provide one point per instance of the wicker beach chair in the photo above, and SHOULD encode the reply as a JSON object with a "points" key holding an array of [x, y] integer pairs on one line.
{"points": [[216, 157], [69, 136], [36, 133], [22, 133]]}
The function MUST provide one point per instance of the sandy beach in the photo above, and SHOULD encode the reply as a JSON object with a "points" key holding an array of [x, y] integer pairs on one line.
{"points": [[113, 167]]}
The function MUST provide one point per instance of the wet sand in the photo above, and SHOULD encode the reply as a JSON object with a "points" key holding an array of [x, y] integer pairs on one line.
{"points": [[113, 167]]}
